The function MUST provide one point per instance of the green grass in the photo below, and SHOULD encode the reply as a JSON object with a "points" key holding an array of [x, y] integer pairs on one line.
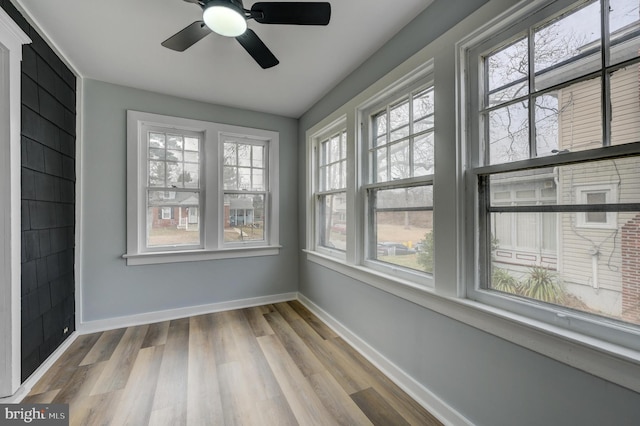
{"points": [[407, 261]]}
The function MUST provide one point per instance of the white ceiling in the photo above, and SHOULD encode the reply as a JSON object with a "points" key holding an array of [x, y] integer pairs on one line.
{"points": [[118, 41]]}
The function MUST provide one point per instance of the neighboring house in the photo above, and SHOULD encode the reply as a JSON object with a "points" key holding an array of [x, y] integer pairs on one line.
{"points": [[238, 212], [594, 253], [184, 215]]}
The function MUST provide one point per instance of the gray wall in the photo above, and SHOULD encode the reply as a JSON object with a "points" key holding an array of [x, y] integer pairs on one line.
{"points": [[487, 379], [110, 288]]}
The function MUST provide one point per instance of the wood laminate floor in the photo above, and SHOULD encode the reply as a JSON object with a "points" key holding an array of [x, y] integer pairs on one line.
{"points": [[269, 365]]}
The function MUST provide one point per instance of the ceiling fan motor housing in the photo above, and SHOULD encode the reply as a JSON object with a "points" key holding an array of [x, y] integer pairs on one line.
{"points": [[225, 17], [234, 3]]}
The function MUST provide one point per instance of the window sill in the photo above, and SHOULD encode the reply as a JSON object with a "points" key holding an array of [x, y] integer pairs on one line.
{"points": [[381, 280], [615, 363], [152, 258]]}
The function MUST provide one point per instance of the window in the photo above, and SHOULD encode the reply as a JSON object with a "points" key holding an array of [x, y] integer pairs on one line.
{"points": [[203, 190], [173, 166], [399, 190], [554, 154], [597, 194], [245, 189], [371, 190], [331, 195], [166, 213]]}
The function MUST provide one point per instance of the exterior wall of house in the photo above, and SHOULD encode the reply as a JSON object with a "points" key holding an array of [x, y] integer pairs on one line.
{"points": [[631, 270], [591, 256], [48, 198]]}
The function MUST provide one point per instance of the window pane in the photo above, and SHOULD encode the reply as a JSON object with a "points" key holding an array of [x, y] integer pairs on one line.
{"points": [[174, 175], [404, 227], [167, 168], [191, 144], [333, 221], [230, 154], [624, 20], [380, 164], [380, 125], [596, 198], [507, 71], [399, 117], [423, 105], [399, 160], [156, 173], [568, 47], [191, 177], [333, 177], [157, 154], [156, 140], [192, 157], [423, 155], [244, 167], [243, 218], [580, 116], [175, 142], [244, 155], [174, 155], [244, 178], [258, 180], [625, 107], [594, 272], [509, 133], [257, 159], [597, 272], [334, 149], [173, 220], [546, 124]]}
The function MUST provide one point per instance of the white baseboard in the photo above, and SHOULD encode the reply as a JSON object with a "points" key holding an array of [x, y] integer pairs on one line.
{"points": [[170, 314], [440, 409], [26, 386]]}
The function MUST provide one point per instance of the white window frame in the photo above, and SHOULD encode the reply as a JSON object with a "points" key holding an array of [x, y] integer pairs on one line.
{"points": [[385, 101], [234, 138], [336, 127], [608, 336], [167, 212], [212, 209], [353, 262]]}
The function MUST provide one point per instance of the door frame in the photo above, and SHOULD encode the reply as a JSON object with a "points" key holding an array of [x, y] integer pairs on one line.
{"points": [[11, 40]]}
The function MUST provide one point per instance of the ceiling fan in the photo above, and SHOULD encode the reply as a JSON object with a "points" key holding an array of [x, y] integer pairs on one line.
{"points": [[229, 18]]}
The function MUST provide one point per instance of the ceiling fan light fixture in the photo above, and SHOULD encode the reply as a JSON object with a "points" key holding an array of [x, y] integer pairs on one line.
{"points": [[225, 18]]}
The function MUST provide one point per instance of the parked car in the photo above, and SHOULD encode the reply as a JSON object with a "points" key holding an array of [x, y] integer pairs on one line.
{"points": [[394, 249], [340, 228]]}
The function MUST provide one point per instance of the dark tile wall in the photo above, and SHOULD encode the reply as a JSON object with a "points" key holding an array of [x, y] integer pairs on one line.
{"points": [[48, 198]]}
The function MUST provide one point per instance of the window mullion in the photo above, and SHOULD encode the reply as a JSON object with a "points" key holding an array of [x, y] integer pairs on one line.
{"points": [[411, 136], [533, 149], [606, 76]]}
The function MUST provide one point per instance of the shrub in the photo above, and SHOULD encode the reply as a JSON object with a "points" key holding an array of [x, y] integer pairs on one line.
{"points": [[425, 255], [542, 284], [502, 280]]}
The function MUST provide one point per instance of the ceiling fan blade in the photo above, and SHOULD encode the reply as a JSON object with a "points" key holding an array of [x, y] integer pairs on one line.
{"points": [[293, 13], [187, 37], [257, 49]]}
